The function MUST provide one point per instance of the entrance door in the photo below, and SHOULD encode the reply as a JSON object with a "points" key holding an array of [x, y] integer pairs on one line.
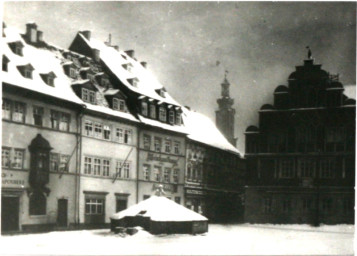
{"points": [[9, 213], [122, 204], [62, 212]]}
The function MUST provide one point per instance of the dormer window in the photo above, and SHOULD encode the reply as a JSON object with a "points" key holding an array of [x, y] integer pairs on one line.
{"points": [[171, 117], [26, 71], [48, 78], [128, 67], [178, 118], [72, 72], [88, 96], [119, 104], [162, 114], [134, 82], [5, 61], [16, 47], [105, 83], [144, 108], [152, 111], [161, 92]]}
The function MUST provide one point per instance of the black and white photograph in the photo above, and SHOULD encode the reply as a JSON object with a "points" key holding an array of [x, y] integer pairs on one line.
{"points": [[178, 128]]}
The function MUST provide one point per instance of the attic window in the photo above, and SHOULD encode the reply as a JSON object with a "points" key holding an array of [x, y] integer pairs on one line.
{"points": [[152, 111], [144, 108], [72, 72], [133, 82], [171, 117], [128, 67], [26, 71], [88, 96], [17, 47], [105, 83], [119, 104], [48, 78], [161, 92], [5, 61], [162, 114], [178, 118], [123, 56]]}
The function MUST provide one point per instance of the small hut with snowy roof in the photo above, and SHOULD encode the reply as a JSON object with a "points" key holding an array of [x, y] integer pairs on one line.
{"points": [[160, 215]]}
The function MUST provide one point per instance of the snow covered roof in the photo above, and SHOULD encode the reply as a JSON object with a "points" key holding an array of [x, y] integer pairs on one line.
{"points": [[160, 208], [45, 61], [201, 129], [115, 59]]}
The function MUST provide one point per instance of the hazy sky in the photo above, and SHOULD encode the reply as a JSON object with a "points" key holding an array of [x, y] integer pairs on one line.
{"points": [[188, 45]]}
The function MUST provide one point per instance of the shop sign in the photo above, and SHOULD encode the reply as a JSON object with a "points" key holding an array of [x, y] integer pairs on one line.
{"points": [[12, 180], [161, 158], [194, 192], [166, 187]]}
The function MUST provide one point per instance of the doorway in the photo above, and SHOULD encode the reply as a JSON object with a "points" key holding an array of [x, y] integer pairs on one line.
{"points": [[62, 212], [10, 213]]}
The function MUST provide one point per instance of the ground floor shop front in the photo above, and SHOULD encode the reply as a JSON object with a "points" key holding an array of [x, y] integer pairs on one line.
{"points": [[218, 206], [283, 205]]}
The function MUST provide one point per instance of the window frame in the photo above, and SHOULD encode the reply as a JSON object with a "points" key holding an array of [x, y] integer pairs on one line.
{"points": [[162, 114]]}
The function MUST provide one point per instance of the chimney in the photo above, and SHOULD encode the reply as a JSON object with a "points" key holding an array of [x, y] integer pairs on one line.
{"points": [[31, 32], [39, 36], [116, 47], [86, 34], [130, 53], [144, 64], [95, 53]]}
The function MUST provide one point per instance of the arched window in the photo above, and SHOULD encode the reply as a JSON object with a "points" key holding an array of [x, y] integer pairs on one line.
{"points": [[37, 203]]}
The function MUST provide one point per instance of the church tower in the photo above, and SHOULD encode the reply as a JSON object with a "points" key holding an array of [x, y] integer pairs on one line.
{"points": [[225, 113]]}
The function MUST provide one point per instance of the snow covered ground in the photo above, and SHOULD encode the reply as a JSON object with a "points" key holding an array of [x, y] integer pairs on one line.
{"points": [[220, 240]]}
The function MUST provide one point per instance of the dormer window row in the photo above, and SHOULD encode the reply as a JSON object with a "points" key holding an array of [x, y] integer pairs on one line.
{"points": [[166, 114]]}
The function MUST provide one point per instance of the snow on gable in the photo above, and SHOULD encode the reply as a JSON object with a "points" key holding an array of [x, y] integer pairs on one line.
{"points": [[118, 61], [201, 129]]}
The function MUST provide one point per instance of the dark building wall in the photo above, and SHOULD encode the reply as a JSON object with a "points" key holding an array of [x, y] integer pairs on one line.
{"points": [[302, 156]]}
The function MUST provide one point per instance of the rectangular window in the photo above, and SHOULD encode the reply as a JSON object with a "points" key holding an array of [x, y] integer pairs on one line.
{"points": [[327, 168], [88, 128], [286, 205], [72, 72], [118, 169], [92, 97], [63, 165], [64, 122], [54, 160], [122, 107], [5, 157], [6, 109], [144, 108], [147, 141], [28, 73], [167, 173], [152, 111], [37, 115], [175, 176], [54, 119], [178, 118], [286, 168], [97, 166], [88, 165], [106, 130], [146, 172], [18, 159], [127, 136], [157, 144], [171, 117], [18, 114], [126, 170], [119, 104], [167, 146], [119, 135], [177, 147], [98, 128], [307, 168], [85, 95], [267, 205], [157, 173], [106, 167], [115, 104], [162, 114], [94, 206]]}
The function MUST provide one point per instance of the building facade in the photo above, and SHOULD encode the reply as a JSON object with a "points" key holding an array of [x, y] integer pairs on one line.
{"points": [[301, 159], [87, 132]]}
